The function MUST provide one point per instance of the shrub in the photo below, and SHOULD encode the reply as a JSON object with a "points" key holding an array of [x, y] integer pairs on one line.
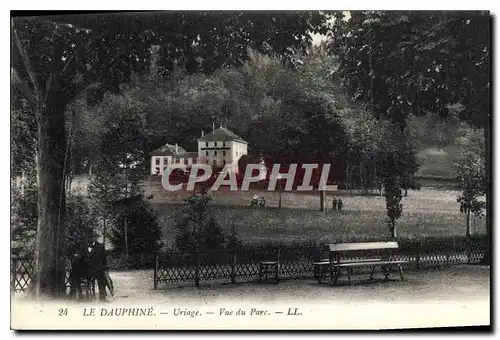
{"points": [[197, 228], [24, 217], [143, 230]]}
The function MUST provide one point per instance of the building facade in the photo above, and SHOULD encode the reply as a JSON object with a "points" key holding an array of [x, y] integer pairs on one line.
{"points": [[171, 154], [219, 148]]}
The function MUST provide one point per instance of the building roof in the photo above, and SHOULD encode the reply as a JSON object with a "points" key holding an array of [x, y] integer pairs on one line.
{"points": [[168, 150], [221, 134], [189, 154]]}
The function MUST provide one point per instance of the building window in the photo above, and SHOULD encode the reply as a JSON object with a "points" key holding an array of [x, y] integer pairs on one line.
{"points": [[206, 153], [223, 153], [157, 161], [215, 143], [224, 162], [215, 153], [206, 143], [224, 143], [165, 160], [186, 161], [206, 161], [157, 171]]}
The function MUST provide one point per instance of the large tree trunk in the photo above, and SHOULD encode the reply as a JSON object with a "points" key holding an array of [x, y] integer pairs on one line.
{"points": [[487, 159], [49, 248]]}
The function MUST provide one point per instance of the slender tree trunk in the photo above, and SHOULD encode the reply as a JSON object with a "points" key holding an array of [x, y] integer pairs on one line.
{"points": [[347, 175], [126, 235], [125, 226], [467, 223], [393, 230], [322, 200], [104, 230], [487, 147], [49, 248]]}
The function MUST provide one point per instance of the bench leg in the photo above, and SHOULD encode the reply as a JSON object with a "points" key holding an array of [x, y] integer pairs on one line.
{"points": [[336, 275], [387, 272], [401, 272]]}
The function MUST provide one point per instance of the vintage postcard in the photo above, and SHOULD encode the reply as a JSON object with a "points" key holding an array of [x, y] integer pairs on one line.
{"points": [[250, 170]]}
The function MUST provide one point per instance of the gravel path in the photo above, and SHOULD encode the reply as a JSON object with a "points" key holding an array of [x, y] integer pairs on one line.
{"points": [[458, 283], [454, 296]]}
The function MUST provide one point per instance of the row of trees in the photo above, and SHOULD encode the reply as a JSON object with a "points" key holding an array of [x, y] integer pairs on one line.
{"points": [[409, 63]]}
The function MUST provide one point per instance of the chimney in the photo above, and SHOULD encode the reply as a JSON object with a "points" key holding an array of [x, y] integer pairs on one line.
{"points": [[202, 133], [213, 126], [176, 148]]}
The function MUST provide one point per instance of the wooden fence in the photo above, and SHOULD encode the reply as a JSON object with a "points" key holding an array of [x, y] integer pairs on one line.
{"points": [[22, 272], [242, 265], [237, 266]]}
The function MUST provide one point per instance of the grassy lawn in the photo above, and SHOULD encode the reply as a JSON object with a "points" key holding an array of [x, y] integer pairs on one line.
{"points": [[428, 212]]}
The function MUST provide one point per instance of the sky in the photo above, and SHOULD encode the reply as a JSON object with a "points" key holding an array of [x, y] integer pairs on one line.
{"points": [[318, 38]]}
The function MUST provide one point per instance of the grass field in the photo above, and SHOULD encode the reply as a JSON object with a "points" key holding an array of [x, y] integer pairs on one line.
{"points": [[428, 212], [438, 162]]}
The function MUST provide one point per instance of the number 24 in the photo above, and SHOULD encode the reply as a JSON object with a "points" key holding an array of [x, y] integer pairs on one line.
{"points": [[63, 311]]}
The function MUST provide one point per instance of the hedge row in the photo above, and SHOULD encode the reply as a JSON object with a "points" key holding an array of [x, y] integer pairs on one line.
{"points": [[254, 252]]}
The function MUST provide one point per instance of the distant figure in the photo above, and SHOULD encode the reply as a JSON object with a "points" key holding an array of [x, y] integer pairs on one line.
{"points": [[334, 203], [257, 201], [339, 204]]}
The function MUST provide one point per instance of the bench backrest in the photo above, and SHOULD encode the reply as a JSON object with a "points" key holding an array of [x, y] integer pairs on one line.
{"points": [[341, 247]]}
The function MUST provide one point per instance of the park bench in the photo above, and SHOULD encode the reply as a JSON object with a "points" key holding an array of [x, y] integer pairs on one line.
{"points": [[363, 254]]}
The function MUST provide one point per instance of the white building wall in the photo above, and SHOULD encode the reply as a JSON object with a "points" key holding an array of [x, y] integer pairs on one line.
{"points": [[230, 156], [165, 161], [156, 164]]}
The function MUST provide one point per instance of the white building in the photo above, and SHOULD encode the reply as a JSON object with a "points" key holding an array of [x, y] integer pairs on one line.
{"points": [[170, 154], [218, 148], [221, 147]]}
